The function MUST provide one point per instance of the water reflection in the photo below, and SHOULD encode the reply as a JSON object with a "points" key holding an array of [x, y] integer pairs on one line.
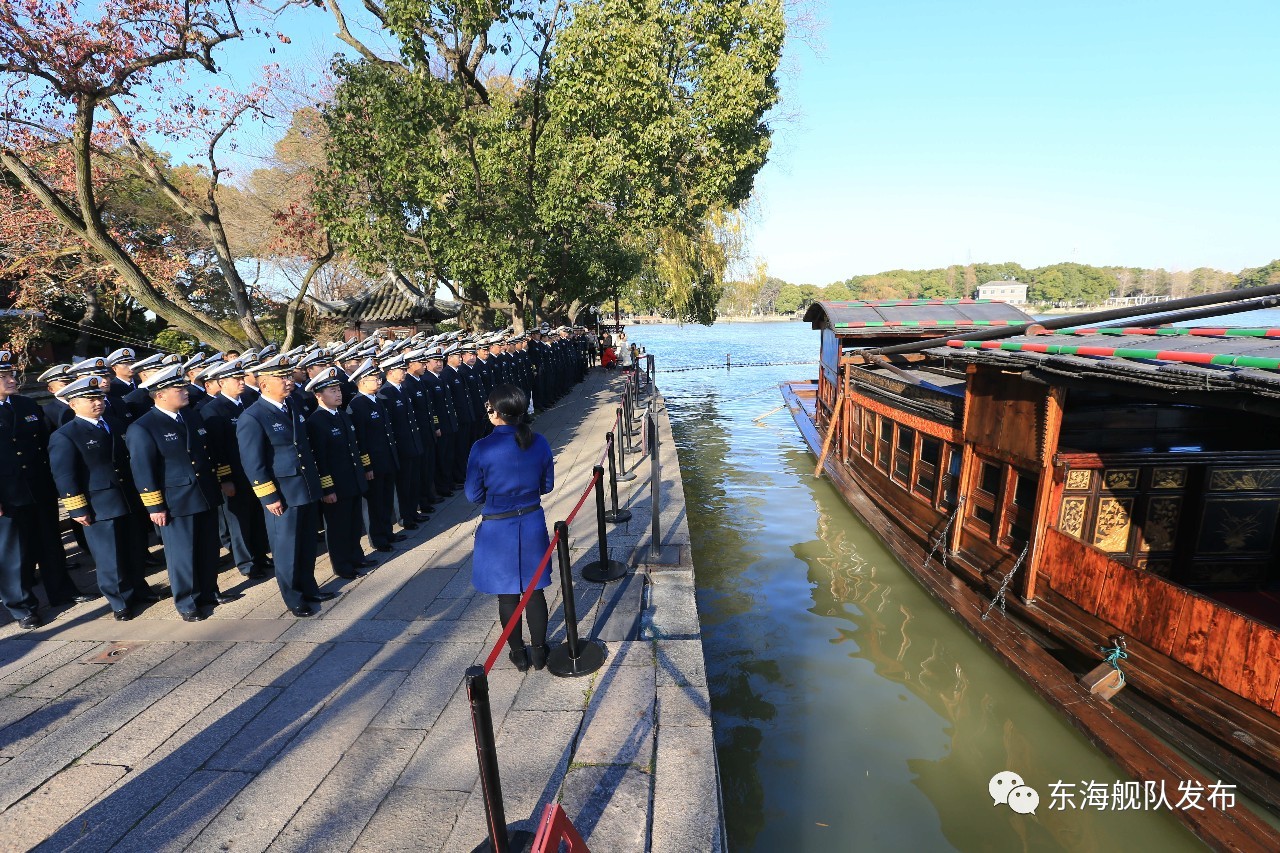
{"points": [[851, 711]]}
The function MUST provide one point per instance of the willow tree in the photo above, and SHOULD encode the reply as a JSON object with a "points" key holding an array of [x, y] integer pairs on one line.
{"points": [[524, 151]]}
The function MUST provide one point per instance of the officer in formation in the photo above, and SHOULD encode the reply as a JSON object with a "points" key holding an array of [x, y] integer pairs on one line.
{"points": [[251, 449]]}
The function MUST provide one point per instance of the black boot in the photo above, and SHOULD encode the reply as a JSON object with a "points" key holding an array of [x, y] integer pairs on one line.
{"points": [[538, 655], [520, 657]]}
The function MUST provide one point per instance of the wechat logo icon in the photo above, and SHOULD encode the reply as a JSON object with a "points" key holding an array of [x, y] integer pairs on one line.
{"points": [[1008, 789]]}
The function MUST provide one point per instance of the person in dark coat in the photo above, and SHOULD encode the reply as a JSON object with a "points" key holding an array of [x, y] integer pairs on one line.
{"points": [[56, 412], [377, 439], [428, 428], [508, 473], [457, 387], [442, 403], [122, 384], [23, 439], [90, 465], [408, 440], [242, 526], [178, 483], [344, 477], [138, 401], [277, 459]]}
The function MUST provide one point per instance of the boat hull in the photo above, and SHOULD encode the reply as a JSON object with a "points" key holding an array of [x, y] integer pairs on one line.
{"points": [[1132, 745]]}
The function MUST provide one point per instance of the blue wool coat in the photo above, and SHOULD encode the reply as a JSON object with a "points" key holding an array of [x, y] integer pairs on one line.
{"points": [[503, 477]]}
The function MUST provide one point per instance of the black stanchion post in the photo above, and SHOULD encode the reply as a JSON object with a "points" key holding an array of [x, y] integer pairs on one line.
{"points": [[572, 658], [623, 473], [655, 478], [615, 515], [636, 417], [603, 570], [628, 414], [501, 839]]}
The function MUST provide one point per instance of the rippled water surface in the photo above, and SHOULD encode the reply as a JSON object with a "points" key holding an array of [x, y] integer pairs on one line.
{"points": [[851, 711]]}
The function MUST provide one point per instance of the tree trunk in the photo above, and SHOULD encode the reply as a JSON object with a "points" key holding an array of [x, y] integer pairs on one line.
{"points": [[291, 313], [92, 310]]}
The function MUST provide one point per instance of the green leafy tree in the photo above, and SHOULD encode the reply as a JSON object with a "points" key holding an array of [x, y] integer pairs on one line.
{"points": [[622, 127]]}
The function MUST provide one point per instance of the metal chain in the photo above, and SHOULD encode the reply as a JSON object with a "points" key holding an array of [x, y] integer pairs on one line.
{"points": [[941, 537], [1004, 585]]}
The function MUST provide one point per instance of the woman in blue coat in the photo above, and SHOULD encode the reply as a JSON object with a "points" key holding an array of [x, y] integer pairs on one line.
{"points": [[508, 471]]}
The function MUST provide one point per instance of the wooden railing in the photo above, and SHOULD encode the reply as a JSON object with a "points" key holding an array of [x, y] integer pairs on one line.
{"points": [[1226, 647]]}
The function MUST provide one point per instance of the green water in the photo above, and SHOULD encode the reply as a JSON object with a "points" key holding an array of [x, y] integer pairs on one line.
{"points": [[851, 711]]}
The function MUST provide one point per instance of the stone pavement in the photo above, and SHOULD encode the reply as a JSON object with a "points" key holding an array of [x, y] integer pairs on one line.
{"points": [[254, 730]]}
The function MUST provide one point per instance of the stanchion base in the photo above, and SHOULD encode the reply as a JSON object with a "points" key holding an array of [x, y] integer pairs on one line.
{"points": [[591, 655], [604, 571], [617, 516], [519, 841], [624, 476]]}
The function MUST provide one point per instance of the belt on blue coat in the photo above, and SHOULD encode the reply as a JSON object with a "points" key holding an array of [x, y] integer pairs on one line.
{"points": [[512, 514]]}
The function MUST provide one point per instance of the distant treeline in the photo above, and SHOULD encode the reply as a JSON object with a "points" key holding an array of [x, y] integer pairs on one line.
{"points": [[1059, 285]]}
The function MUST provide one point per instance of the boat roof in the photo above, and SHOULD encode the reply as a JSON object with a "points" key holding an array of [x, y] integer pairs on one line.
{"points": [[911, 317], [1218, 359]]}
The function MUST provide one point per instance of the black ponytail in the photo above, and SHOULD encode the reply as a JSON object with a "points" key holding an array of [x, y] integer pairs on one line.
{"points": [[512, 405]]}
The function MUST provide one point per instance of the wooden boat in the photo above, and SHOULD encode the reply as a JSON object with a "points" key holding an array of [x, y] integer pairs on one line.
{"points": [[1121, 486]]}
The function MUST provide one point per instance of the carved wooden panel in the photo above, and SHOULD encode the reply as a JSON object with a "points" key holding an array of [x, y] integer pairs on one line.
{"points": [[1111, 529]]}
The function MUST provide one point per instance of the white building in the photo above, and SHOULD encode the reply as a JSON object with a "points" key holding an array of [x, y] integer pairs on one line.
{"points": [[1005, 291]]}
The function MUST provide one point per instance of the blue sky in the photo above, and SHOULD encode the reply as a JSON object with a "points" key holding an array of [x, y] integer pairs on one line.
{"points": [[926, 133], [922, 133]]}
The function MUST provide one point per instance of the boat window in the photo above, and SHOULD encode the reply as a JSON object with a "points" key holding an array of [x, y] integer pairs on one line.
{"points": [[1024, 493], [903, 457], [989, 478], [927, 470], [884, 445], [984, 514], [952, 482], [869, 436]]}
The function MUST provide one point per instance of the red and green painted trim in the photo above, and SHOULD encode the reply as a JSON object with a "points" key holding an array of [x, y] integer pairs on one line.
{"points": [[1199, 331], [866, 324], [1225, 359], [897, 303]]}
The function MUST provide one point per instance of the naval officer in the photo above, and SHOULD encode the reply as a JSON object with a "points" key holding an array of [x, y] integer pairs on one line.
{"points": [[277, 459], [178, 484], [90, 465], [344, 476], [377, 439], [242, 524]]}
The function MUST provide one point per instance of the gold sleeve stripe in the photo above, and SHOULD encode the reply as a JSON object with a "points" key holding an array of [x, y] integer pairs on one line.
{"points": [[365, 460], [326, 482], [153, 498], [224, 471], [74, 502], [264, 489]]}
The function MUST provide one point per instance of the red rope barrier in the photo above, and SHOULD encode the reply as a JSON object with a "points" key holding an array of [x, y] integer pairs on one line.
{"points": [[537, 576]]}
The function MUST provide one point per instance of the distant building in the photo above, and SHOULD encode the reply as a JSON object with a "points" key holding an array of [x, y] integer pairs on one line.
{"points": [[392, 303], [1006, 291]]}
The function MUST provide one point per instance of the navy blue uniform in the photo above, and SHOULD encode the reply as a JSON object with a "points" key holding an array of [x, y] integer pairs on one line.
{"points": [[342, 474], [470, 374], [446, 445], [174, 473], [419, 394], [243, 528], [55, 413], [23, 437], [277, 459], [377, 439], [136, 404], [404, 420], [90, 467], [117, 393], [457, 388]]}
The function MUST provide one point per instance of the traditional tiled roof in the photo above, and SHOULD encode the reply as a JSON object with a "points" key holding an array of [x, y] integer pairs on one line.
{"points": [[919, 317], [393, 297]]}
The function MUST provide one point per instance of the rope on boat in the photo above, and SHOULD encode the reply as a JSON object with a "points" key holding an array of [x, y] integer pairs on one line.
{"points": [[1113, 655], [1004, 585]]}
